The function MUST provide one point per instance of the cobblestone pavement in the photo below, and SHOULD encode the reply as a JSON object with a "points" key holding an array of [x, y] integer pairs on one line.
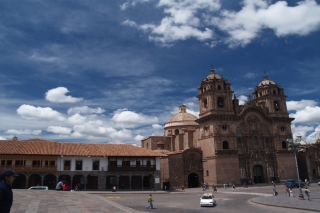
{"points": [[107, 202], [59, 201]]}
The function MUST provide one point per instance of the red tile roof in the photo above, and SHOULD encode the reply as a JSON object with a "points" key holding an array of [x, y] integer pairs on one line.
{"points": [[45, 147]]}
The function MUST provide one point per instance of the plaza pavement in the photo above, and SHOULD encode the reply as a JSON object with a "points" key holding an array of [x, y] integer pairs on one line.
{"points": [[89, 201]]}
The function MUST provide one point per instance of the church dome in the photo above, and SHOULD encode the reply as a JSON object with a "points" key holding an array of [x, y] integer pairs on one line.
{"points": [[213, 75], [266, 82], [182, 118]]}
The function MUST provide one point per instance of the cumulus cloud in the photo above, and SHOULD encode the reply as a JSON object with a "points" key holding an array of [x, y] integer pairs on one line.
{"points": [[299, 105], [131, 119], [139, 137], [77, 119], [23, 132], [2, 138], [59, 130], [58, 95], [157, 126], [85, 110], [308, 115], [39, 113], [98, 129], [256, 15], [242, 99], [181, 21], [198, 18]]}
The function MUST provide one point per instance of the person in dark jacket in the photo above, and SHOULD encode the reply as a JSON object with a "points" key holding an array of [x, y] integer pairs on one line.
{"points": [[6, 195]]}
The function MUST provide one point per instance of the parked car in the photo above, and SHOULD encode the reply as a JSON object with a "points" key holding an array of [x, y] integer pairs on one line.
{"points": [[207, 199], [38, 188], [319, 183]]}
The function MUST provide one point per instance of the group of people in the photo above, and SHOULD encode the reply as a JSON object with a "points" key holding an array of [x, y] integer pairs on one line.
{"points": [[63, 185], [290, 193]]}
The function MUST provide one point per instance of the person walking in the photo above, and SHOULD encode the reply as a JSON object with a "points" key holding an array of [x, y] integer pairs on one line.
{"points": [[275, 193], [307, 192], [233, 187], [225, 186], [6, 195], [150, 202]]}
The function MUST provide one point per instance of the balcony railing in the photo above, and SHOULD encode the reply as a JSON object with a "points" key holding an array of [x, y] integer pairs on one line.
{"points": [[29, 168], [132, 168]]}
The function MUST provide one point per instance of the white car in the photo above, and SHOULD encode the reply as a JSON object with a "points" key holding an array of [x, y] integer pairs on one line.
{"points": [[38, 188], [207, 199], [319, 183]]}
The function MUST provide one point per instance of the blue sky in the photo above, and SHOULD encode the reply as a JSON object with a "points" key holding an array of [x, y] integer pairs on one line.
{"points": [[115, 71]]}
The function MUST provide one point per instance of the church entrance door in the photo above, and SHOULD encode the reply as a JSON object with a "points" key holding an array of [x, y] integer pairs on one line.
{"points": [[258, 174], [193, 180]]}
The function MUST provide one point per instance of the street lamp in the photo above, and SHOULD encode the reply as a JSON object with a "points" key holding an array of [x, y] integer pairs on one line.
{"points": [[294, 146]]}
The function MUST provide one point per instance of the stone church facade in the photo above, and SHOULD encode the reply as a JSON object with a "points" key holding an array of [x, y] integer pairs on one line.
{"points": [[228, 143]]}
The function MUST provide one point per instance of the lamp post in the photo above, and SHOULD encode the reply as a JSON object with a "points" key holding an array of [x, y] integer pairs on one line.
{"points": [[294, 146]]}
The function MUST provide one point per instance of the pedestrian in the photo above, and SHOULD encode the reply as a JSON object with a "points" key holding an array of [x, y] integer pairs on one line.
{"points": [[150, 202], [290, 192], [233, 187], [59, 185], [307, 191], [275, 193], [225, 186], [6, 195]]}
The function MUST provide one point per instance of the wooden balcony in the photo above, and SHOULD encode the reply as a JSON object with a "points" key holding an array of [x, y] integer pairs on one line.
{"points": [[24, 169], [132, 168]]}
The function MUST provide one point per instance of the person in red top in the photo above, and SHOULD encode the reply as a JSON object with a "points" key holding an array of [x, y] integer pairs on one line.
{"points": [[65, 187]]}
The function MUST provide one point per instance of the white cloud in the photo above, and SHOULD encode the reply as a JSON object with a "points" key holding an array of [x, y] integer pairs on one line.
{"points": [[59, 130], [301, 130], [39, 113], [308, 115], [131, 3], [77, 119], [250, 75], [186, 19], [129, 23], [181, 21], [256, 15], [42, 58], [58, 95], [98, 129], [299, 105], [85, 110], [242, 99], [2, 138], [157, 126], [23, 132], [139, 137], [131, 119]]}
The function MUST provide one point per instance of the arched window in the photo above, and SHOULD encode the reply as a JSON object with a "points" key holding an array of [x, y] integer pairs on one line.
{"points": [[205, 103], [255, 141], [220, 103], [219, 87], [176, 132], [267, 140], [207, 172], [276, 105], [284, 145], [225, 145], [274, 92]]}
